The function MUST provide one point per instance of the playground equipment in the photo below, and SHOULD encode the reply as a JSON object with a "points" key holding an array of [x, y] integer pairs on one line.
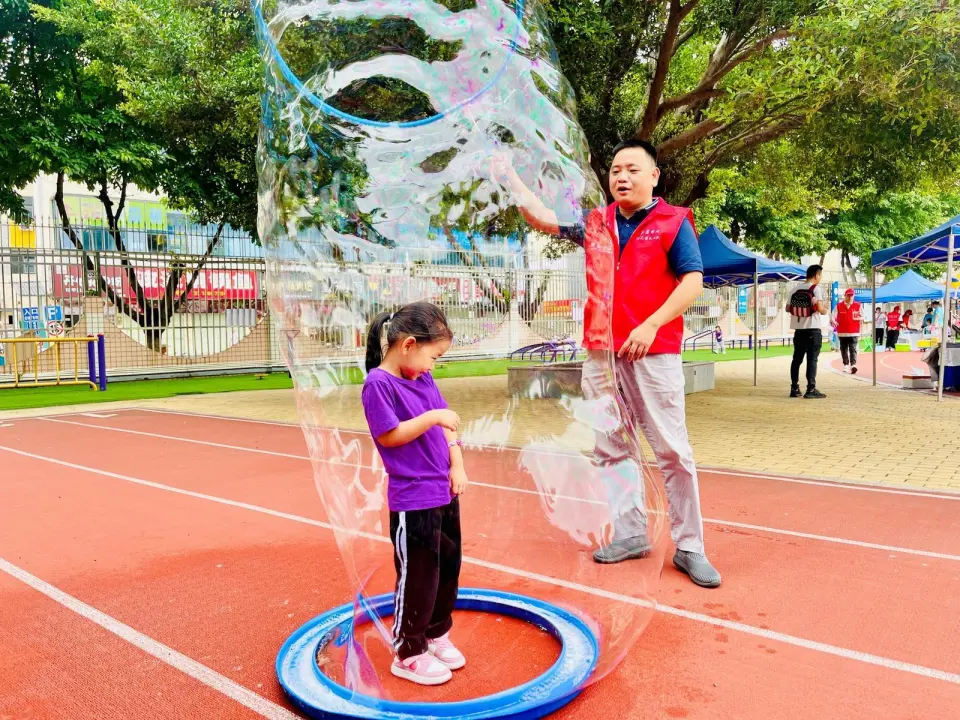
{"points": [[23, 352], [553, 348]]}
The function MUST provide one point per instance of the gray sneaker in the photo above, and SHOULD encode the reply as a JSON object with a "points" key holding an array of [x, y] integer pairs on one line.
{"points": [[697, 567], [627, 549]]}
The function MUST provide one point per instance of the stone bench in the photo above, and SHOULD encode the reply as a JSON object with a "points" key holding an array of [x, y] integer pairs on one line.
{"points": [[917, 382], [555, 380]]}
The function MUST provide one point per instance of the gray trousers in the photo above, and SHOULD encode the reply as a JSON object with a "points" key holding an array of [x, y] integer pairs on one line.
{"points": [[652, 390]]}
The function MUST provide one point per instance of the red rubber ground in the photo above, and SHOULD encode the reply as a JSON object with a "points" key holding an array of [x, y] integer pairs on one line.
{"points": [[891, 367], [866, 632]]}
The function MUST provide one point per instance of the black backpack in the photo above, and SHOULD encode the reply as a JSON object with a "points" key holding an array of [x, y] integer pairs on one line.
{"points": [[803, 303]]}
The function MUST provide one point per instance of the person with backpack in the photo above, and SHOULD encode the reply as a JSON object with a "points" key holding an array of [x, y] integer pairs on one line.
{"points": [[807, 310]]}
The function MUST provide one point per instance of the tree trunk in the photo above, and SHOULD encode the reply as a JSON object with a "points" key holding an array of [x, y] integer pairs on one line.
{"points": [[152, 316], [497, 294], [530, 307]]}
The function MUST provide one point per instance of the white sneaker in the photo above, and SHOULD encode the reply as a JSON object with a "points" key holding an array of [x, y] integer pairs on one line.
{"points": [[446, 652], [422, 669]]}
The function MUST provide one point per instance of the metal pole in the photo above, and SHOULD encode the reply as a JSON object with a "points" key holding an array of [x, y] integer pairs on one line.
{"points": [[91, 361], [102, 362], [946, 319], [756, 321], [873, 283]]}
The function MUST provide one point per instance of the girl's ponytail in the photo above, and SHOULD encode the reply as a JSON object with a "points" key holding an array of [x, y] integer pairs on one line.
{"points": [[374, 346]]}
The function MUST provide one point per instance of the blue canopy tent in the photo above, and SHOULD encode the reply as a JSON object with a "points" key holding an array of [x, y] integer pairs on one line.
{"points": [[907, 288], [726, 264], [937, 245]]}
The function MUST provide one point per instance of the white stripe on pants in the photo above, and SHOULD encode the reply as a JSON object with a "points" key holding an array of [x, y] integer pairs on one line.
{"points": [[398, 599], [652, 390]]}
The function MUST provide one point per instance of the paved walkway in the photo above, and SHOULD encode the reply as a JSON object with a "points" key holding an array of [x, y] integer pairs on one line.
{"points": [[859, 433]]}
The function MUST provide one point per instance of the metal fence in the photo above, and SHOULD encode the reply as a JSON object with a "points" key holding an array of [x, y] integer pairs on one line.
{"points": [[181, 313]]}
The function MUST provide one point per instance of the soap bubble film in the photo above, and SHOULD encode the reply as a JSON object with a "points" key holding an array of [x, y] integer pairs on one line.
{"points": [[384, 124]]}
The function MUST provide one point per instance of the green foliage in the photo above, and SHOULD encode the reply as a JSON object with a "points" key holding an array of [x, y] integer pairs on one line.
{"points": [[786, 204], [876, 220], [860, 79], [188, 72], [59, 116], [796, 125]]}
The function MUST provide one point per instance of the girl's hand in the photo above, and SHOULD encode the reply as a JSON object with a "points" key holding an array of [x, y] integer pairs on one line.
{"points": [[458, 481], [446, 419]]}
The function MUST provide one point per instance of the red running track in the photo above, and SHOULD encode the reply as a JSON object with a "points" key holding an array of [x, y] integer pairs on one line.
{"points": [[891, 367], [838, 601]]}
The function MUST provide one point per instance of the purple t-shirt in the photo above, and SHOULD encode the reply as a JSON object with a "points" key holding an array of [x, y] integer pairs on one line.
{"points": [[419, 472]]}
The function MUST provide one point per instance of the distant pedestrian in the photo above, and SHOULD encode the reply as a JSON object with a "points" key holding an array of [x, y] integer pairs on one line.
{"points": [[847, 318]]}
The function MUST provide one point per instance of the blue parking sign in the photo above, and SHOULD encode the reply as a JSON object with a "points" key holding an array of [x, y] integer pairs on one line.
{"points": [[53, 313], [31, 318]]}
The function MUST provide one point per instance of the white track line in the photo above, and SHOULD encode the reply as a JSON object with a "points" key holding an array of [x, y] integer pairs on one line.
{"points": [[838, 485], [822, 482], [209, 677], [494, 486], [825, 648]]}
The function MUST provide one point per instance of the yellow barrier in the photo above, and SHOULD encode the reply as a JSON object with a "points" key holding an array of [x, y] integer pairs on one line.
{"points": [[32, 353]]}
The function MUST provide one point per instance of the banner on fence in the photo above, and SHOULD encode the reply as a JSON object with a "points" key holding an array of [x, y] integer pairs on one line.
{"points": [[557, 307], [211, 284]]}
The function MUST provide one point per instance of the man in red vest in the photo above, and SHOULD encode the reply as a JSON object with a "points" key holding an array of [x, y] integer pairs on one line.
{"points": [[644, 270], [847, 317], [893, 327]]}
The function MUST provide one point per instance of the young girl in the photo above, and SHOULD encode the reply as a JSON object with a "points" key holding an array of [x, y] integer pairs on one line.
{"points": [[416, 435], [718, 336]]}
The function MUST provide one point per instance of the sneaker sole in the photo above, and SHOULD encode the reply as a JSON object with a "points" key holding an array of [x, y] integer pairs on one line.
{"points": [[626, 555], [695, 581], [418, 679]]}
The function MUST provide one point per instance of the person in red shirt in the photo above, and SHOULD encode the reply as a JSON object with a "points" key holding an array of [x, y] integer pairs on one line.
{"points": [[905, 320], [643, 271], [847, 318], [893, 327]]}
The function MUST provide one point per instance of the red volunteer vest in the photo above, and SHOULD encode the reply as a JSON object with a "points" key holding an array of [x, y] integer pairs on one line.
{"points": [[848, 319], [893, 320], [624, 291]]}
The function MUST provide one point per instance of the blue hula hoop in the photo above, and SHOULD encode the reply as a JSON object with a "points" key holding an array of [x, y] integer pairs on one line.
{"points": [[320, 697], [264, 34]]}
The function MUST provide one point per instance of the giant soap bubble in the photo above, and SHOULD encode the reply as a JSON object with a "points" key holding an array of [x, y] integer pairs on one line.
{"points": [[382, 120]]}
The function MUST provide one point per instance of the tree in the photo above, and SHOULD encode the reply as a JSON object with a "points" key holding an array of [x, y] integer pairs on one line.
{"points": [[187, 70], [712, 81], [797, 198], [463, 212], [161, 95], [876, 220], [67, 122]]}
